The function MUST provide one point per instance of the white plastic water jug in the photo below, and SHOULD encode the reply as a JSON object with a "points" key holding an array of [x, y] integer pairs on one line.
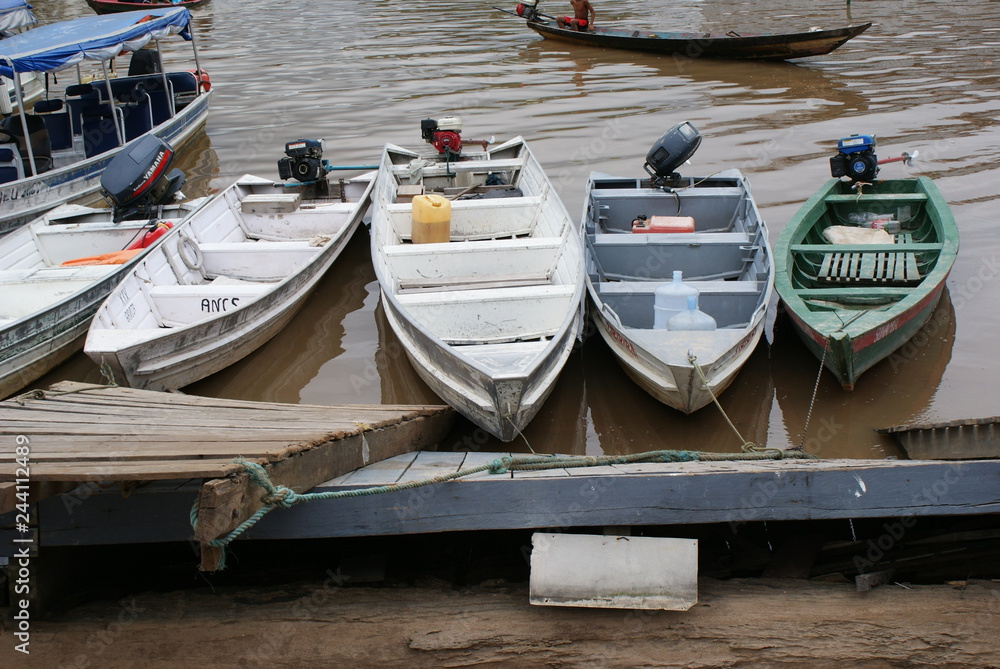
{"points": [[691, 318], [670, 299]]}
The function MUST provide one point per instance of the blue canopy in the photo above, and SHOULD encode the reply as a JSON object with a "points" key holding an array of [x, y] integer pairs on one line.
{"points": [[15, 14], [59, 45]]}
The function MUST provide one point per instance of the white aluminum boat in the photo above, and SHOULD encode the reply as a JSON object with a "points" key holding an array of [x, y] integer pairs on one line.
{"points": [[45, 306], [724, 255], [226, 281], [488, 317]]}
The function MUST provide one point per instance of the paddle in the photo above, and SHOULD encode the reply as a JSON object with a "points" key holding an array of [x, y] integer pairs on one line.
{"points": [[507, 11]]}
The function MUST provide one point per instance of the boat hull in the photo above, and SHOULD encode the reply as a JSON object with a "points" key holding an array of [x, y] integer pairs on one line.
{"points": [[168, 358], [852, 315], [36, 343], [28, 198], [732, 269], [748, 47], [483, 335], [113, 6]]}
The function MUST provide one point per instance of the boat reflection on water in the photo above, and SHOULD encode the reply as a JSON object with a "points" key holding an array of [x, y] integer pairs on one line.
{"points": [[895, 391], [306, 362], [398, 381], [626, 419]]}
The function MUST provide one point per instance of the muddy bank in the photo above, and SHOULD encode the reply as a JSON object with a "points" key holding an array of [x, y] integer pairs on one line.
{"points": [[737, 623]]}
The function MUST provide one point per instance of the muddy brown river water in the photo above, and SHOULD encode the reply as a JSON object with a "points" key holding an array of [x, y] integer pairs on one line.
{"points": [[359, 74]]}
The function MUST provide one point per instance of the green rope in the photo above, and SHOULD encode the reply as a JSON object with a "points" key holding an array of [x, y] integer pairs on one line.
{"points": [[281, 496], [748, 446]]}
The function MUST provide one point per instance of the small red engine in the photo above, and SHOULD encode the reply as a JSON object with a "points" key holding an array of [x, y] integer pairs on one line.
{"points": [[444, 134]]}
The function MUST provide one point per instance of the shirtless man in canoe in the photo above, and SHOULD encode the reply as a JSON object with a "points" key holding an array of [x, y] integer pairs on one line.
{"points": [[582, 19]]}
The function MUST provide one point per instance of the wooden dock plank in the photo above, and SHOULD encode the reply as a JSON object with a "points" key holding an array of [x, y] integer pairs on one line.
{"points": [[81, 432], [385, 472], [478, 459], [429, 464]]}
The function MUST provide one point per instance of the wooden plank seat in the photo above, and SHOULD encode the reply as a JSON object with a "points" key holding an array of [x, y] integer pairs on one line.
{"points": [[870, 263], [876, 197], [869, 267]]}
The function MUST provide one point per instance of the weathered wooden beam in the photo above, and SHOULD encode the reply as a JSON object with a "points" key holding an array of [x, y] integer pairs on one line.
{"points": [[660, 494], [224, 504]]}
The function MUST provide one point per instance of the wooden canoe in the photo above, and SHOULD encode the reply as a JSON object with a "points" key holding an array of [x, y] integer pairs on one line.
{"points": [[225, 282], [111, 6], [488, 318], [777, 46], [853, 304], [727, 258], [46, 305]]}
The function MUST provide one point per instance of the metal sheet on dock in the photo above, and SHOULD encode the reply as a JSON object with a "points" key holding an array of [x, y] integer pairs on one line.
{"points": [[966, 439]]}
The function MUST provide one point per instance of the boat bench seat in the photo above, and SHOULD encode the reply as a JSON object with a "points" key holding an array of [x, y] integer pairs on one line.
{"points": [[709, 255], [522, 313], [478, 219], [870, 263], [704, 287], [469, 265], [869, 268], [255, 261], [57, 273], [179, 305]]}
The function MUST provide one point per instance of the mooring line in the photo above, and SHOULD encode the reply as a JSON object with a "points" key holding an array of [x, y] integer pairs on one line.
{"points": [[281, 496]]}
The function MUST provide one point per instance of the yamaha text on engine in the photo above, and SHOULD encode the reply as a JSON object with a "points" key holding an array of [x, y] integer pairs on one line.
{"points": [[137, 182]]}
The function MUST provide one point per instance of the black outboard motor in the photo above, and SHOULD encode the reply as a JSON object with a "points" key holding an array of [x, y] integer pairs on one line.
{"points": [[670, 152], [304, 160], [855, 158], [136, 181]]}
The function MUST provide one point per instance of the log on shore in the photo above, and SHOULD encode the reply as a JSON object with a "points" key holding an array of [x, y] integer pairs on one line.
{"points": [[736, 624]]}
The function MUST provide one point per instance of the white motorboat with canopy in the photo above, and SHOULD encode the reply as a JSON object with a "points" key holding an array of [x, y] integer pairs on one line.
{"points": [[15, 18], [56, 152]]}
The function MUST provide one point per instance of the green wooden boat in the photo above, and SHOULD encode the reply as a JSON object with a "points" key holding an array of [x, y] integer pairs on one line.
{"points": [[853, 303]]}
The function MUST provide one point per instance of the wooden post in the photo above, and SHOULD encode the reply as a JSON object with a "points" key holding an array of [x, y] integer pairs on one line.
{"points": [[223, 504]]}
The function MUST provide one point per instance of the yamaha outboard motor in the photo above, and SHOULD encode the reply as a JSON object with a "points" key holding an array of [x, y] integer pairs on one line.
{"points": [[855, 158], [675, 147], [137, 181]]}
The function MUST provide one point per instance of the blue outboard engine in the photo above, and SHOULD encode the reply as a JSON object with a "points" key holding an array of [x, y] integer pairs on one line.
{"points": [[671, 151], [138, 180], [855, 158]]}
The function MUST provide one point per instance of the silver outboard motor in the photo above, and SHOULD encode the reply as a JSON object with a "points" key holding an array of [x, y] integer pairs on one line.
{"points": [[138, 180], [675, 147]]}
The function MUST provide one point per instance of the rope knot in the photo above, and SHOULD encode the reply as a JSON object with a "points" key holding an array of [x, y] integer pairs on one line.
{"points": [[499, 466], [282, 496]]}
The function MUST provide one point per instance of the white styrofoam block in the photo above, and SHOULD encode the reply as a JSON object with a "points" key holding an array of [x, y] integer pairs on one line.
{"points": [[614, 571]]}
